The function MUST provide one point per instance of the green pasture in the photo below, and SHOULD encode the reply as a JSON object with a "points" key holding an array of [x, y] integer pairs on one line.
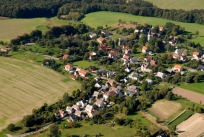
{"points": [[84, 64], [11, 28], [104, 18], [178, 4], [196, 87]]}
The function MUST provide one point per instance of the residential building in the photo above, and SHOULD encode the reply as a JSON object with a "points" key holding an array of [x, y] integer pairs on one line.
{"points": [[177, 68]]}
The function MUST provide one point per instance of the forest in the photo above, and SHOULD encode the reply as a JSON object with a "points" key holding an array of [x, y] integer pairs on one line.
{"points": [[76, 9]]}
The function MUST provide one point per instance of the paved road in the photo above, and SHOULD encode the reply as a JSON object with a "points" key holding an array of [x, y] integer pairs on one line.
{"points": [[153, 120]]}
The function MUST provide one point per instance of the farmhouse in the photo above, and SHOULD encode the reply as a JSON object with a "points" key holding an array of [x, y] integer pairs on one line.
{"points": [[68, 67], [81, 72], [177, 68], [101, 40]]}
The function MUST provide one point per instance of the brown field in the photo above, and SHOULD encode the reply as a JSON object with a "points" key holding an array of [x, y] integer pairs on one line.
{"points": [[192, 127], [190, 95], [164, 108], [25, 86]]}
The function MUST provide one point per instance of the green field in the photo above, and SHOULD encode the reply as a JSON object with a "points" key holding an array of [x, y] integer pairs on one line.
{"points": [[178, 4], [84, 64], [11, 28], [106, 130], [181, 118], [103, 18], [25, 86], [196, 87]]}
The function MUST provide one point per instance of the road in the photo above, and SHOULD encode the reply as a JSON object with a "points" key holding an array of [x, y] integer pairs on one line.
{"points": [[153, 120]]}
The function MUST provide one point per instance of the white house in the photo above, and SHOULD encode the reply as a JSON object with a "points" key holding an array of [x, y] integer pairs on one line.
{"points": [[81, 103], [134, 76], [149, 81], [69, 109], [89, 108], [160, 74]]}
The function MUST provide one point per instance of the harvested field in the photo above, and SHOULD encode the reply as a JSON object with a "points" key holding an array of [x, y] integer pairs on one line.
{"points": [[190, 95], [164, 108], [25, 86], [192, 127]]}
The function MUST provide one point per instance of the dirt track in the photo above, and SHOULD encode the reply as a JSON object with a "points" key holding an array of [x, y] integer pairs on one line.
{"points": [[190, 95], [192, 127]]}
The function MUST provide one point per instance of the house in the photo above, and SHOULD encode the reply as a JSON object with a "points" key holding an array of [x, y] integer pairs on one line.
{"points": [[201, 67], [136, 31], [161, 28], [73, 77], [126, 57], [65, 56], [177, 68], [149, 81], [62, 113], [77, 113], [97, 85], [183, 58], [95, 94], [160, 74], [176, 56], [178, 51], [92, 56], [109, 93], [196, 55], [81, 103], [153, 63], [132, 88], [110, 74], [148, 59], [133, 60], [75, 107], [92, 68], [82, 73], [114, 53], [92, 35], [126, 49], [122, 40], [101, 40], [68, 67], [89, 108], [99, 102], [130, 93], [144, 49], [144, 68], [134, 76], [128, 69], [105, 32], [116, 90], [69, 109], [104, 47]]}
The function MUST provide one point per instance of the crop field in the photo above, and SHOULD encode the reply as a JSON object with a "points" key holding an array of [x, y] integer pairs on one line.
{"points": [[178, 4], [192, 127], [164, 108], [196, 87], [11, 28], [104, 18], [181, 118], [25, 86], [190, 95]]}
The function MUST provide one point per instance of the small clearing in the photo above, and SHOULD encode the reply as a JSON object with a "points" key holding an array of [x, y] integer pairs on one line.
{"points": [[192, 127], [164, 108], [190, 95]]}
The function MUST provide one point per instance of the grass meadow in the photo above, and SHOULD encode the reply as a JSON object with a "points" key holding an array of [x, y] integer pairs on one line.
{"points": [[25, 86], [178, 4], [11, 28], [84, 64], [104, 18], [196, 87]]}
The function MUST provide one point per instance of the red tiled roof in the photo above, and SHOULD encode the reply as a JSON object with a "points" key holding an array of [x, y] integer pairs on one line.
{"points": [[196, 53], [68, 66], [126, 57], [125, 47], [100, 39], [175, 55], [81, 71], [177, 66], [61, 112]]}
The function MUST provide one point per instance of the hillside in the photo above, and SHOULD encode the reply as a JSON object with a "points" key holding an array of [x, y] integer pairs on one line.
{"points": [[25, 86], [178, 4]]}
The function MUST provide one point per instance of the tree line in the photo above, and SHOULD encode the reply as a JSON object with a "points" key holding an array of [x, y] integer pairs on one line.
{"points": [[76, 9]]}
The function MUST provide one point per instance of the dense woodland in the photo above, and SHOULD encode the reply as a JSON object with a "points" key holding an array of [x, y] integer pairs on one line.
{"points": [[76, 9]]}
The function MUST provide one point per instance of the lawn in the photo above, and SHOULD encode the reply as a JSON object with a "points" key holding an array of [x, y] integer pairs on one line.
{"points": [[11, 28], [25, 86], [196, 87], [84, 64], [181, 118], [178, 4], [103, 18]]}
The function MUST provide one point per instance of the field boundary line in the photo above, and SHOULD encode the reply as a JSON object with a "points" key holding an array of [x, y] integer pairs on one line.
{"points": [[177, 117]]}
